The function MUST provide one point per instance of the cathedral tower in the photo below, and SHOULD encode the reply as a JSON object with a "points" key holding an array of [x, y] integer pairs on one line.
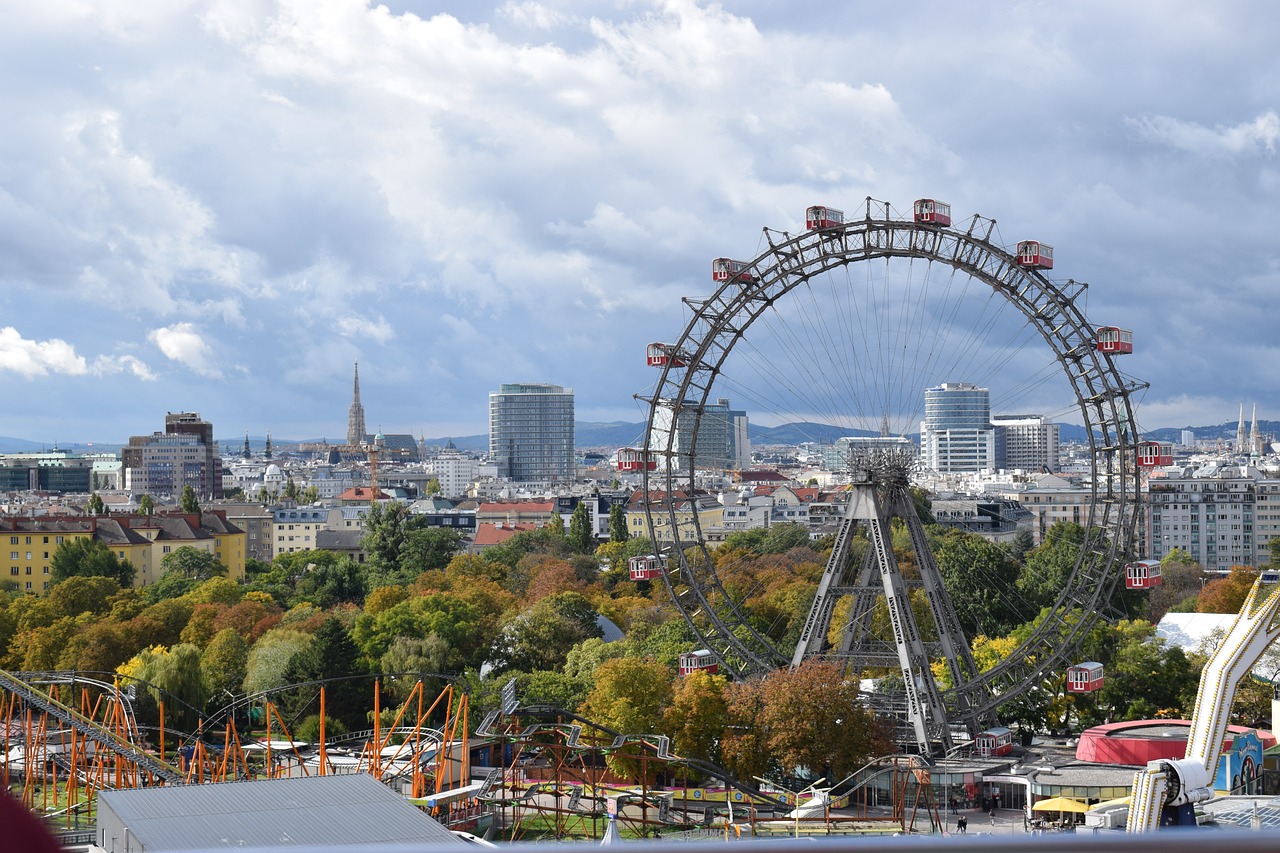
{"points": [[355, 415]]}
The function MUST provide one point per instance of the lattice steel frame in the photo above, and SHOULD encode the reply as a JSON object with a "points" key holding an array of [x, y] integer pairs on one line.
{"points": [[718, 322]]}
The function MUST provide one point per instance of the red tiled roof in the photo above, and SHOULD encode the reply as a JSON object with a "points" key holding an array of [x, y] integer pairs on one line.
{"points": [[492, 534]]}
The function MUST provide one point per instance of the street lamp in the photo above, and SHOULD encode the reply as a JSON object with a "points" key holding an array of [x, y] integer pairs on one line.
{"points": [[795, 811]]}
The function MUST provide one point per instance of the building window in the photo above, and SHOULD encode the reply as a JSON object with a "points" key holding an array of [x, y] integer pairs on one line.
{"points": [[57, 540], [13, 540], [13, 555], [164, 549]]}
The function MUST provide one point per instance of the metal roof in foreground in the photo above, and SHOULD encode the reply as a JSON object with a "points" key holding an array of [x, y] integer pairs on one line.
{"points": [[305, 812]]}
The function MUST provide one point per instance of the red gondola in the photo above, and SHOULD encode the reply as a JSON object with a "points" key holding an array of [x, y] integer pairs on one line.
{"points": [[1154, 454], [1142, 574], [932, 212], [659, 355], [1035, 255], [635, 459], [994, 741], [702, 659], [823, 217], [727, 269], [1084, 677], [645, 568], [1115, 341]]}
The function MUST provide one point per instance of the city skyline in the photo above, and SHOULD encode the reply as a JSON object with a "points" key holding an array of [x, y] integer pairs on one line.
{"points": [[221, 206]]}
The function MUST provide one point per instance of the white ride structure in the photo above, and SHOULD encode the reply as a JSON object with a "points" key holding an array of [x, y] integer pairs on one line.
{"points": [[1165, 793]]}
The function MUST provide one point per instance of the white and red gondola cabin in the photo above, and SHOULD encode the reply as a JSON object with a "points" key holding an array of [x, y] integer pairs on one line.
{"points": [[1035, 255], [660, 355], [1142, 574], [1084, 677], [994, 741], [929, 211], [702, 659], [1115, 341], [727, 269], [645, 568], [635, 459], [1154, 454], [823, 217]]}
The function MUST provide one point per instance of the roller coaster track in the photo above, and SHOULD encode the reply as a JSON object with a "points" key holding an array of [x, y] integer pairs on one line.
{"points": [[100, 735]]}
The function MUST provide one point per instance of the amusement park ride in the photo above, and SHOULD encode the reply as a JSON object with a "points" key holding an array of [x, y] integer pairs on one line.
{"points": [[861, 289]]}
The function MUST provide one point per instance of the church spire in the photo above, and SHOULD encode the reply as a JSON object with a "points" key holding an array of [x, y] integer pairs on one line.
{"points": [[1241, 435], [1255, 440], [355, 415]]}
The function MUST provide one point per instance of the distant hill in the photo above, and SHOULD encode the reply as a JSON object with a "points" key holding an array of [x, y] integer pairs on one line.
{"points": [[21, 445]]}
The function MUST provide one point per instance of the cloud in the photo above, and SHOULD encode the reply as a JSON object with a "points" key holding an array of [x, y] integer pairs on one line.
{"points": [[183, 344], [38, 358], [105, 365], [377, 329], [1258, 136]]}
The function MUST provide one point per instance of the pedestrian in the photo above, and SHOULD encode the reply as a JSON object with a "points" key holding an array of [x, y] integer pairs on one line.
{"points": [[996, 796], [962, 823]]}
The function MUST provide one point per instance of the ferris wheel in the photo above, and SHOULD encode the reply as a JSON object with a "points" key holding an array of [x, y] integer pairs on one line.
{"points": [[839, 330]]}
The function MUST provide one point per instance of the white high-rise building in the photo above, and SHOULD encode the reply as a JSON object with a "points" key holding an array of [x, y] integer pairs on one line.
{"points": [[531, 432], [1025, 443], [956, 434]]}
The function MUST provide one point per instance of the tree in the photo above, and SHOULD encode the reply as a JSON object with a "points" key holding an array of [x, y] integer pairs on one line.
{"points": [[94, 506], [332, 657], [82, 594], [290, 490], [813, 719], [331, 580], [225, 662], [86, 557], [979, 575], [428, 549], [146, 505], [192, 563], [386, 530], [270, 657], [417, 656], [629, 695], [698, 715], [618, 531], [1227, 595], [1049, 565], [541, 637], [581, 537], [432, 488], [188, 500], [309, 496]]}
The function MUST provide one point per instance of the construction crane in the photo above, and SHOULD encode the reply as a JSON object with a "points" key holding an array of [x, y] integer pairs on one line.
{"points": [[1165, 793]]}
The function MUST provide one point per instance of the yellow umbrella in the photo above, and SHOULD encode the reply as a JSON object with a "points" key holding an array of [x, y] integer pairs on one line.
{"points": [[1060, 804]]}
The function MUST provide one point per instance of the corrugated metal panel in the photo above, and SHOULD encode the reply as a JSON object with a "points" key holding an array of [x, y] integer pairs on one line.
{"points": [[331, 810]]}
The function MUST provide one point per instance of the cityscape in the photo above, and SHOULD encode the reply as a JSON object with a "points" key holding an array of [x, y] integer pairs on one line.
{"points": [[438, 424]]}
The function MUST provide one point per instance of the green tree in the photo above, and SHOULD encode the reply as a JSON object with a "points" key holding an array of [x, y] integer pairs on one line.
{"points": [[83, 594], [87, 557], [618, 531], [330, 581], [979, 576], [629, 695], [192, 563], [188, 500], [541, 637], [225, 662], [1048, 566], [331, 657], [418, 656], [428, 549], [698, 715], [175, 678], [270, 657], [386, 531], [581, 537], [291, 491], [432, 488], [309, 496], [146, 505], [95, 506]]}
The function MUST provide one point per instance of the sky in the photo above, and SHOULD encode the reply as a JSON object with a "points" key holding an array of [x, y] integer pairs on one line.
{"points": [[221, 206]]}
